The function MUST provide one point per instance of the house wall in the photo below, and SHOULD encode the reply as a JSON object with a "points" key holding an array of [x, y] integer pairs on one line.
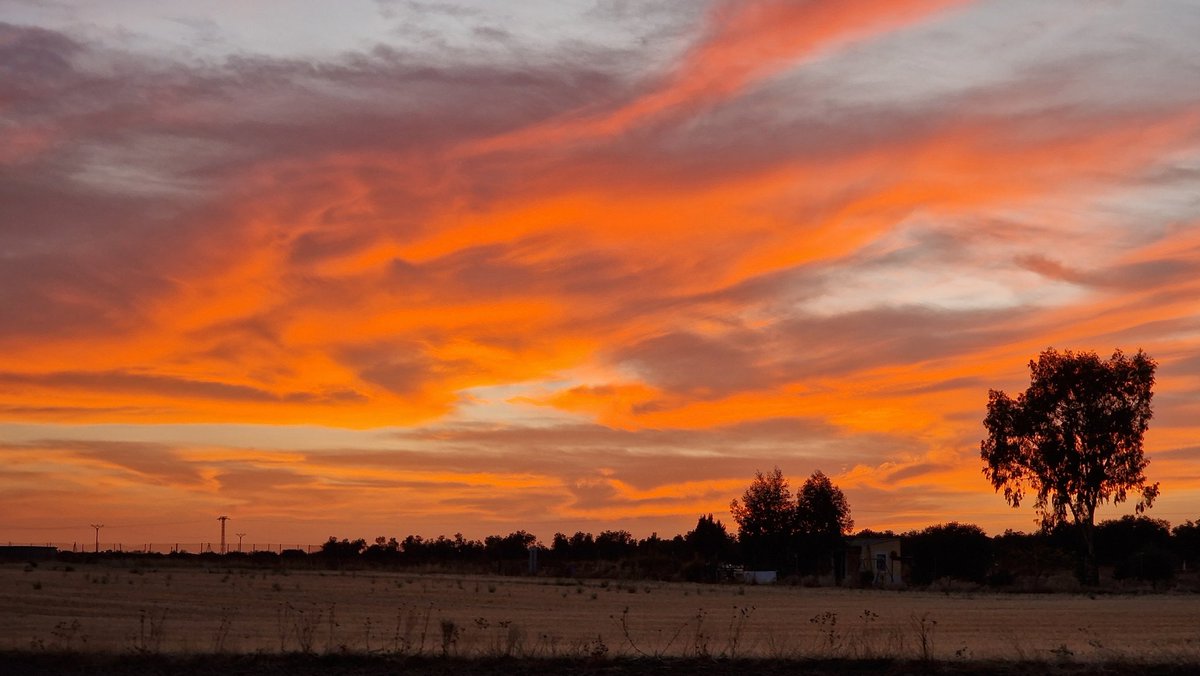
{"points": [[880, 558]]}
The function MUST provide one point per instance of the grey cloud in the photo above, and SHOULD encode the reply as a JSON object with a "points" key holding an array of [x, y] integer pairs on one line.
{"points": [[159, 462], [643, 458], [914, 471], [123, 381], [696, 365], [808, 346], [250, 480]]}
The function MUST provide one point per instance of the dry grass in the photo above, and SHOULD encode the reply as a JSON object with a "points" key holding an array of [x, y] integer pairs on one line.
{"points": [[108, 608]]}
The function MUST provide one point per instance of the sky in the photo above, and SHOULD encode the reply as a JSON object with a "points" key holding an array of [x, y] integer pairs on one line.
{"points": [[432, 266]]}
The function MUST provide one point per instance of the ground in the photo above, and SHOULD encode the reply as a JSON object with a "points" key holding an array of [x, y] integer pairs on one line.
{"points": [[111, 608]]}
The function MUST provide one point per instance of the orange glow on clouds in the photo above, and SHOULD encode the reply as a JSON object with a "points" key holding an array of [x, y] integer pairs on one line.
{"points": [[413, 289]]}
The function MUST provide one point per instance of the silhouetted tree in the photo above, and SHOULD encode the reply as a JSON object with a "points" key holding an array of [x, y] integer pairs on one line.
{"points": [[709, 540], [960, 551], [1185, 541], [336, 552], [766, 519], [1074, 438], [822, 518], [614, 544], [383, 550], [583, 546], [1029, 555], [1116, 539], [511, 547], [1137, 547]]}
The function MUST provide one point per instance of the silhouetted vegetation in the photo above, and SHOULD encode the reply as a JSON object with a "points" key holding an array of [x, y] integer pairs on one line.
{"points": [[956, 551], [1131, 550], [1073, 439], [802, 536]]}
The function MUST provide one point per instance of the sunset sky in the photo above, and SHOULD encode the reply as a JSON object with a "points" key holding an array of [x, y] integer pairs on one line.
{"points": [[383, 267]]}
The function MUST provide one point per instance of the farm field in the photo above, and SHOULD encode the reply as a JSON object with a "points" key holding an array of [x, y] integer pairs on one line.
{"points": [[108, 608]]}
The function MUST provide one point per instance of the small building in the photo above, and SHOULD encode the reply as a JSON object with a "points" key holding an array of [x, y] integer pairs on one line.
{"points": [[759, 576], [875, 561]]}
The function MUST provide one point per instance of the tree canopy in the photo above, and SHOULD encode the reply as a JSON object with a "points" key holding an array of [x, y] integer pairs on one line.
{"points": [[1073, 439], [765, 519], [821, 508], [776, 532]]}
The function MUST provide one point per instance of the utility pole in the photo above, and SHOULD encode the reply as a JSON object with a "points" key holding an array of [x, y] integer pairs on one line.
{"points": [[240, 536], [222, 519], [97, 526]]}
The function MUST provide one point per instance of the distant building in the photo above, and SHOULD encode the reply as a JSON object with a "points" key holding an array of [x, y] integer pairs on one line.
{"points": [[759, 576], [876, 561]]}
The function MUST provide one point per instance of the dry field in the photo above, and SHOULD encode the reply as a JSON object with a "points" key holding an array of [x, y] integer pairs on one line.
{"points": [[110, 608]]}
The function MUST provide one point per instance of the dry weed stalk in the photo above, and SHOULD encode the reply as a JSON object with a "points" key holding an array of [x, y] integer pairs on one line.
{"points": [[150, 631], [737, 624], [924, 626]]}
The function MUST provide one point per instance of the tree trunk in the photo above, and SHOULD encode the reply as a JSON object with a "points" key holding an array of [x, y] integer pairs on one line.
{"points": [[1089, 571]]}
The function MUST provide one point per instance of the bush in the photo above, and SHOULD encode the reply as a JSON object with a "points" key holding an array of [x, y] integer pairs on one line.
{"points": [[1151, 564]]}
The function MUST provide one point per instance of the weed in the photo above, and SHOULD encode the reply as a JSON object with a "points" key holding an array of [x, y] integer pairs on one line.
{"points": [[830, 637], [223, 627], [514, 639], [1063, 653], [597, 649], [737, 624], [777, 648], [660, 648], [150, 631], [425, 629], [548, 644], [65, 633], [923, 626], [403, 641], [699, 638], [290, 619], [450, 635], [333, 625], [861, 645]]}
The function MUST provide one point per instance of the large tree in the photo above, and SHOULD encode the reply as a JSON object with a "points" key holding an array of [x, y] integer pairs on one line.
{"points": [[1073, 439], [822, 518], [766, 521]]}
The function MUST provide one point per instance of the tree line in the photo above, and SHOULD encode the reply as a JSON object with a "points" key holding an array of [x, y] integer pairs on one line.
{"points": [[1128, 548]]}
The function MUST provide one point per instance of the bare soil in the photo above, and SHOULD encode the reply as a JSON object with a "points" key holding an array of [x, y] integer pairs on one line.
{"points": [[247, 614]]}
